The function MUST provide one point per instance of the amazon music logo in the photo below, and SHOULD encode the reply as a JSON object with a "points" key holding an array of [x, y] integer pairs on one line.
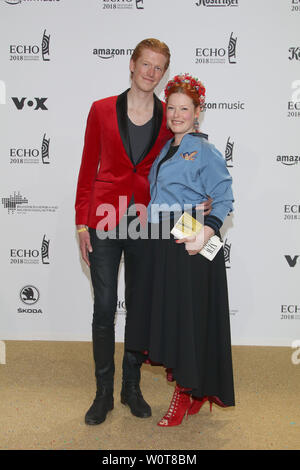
{"points": [[288, 160], [111, 53], [217, 55], [31, 52], [32, 2], [225, 106]]}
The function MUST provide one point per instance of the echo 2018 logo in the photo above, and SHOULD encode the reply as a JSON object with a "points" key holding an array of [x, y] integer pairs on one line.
{"points": [[294, 103], [22, 155], [122, 4], [31, 256], [218, 55], [31, 52]]}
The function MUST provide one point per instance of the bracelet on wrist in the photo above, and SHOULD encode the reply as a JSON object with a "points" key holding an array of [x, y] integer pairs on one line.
{"points": [[83, 229]]}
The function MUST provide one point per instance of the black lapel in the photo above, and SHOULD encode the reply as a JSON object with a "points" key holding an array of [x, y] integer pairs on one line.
{"points": [[121, 107], [157, 120]]}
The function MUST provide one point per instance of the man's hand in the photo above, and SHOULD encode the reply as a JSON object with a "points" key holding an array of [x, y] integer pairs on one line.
{"points": [[195, 243], [84, 244], [205, 206]]}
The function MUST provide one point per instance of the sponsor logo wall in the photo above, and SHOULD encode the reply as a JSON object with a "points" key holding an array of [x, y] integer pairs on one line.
{"points": [[52, 69]]}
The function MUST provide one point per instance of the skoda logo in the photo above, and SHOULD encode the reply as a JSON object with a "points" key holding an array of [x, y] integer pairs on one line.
{"points": [[29, 295]]}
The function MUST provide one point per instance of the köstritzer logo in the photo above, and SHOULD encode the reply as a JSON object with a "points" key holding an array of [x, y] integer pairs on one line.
{"points": [[217, 3], [294, 53]]}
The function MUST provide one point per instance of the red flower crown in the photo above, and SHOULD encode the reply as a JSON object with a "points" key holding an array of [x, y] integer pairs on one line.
{"points": [[190, 83]]}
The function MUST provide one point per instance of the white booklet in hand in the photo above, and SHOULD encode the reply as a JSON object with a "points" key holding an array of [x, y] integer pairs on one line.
{"points": [[187, 226]]}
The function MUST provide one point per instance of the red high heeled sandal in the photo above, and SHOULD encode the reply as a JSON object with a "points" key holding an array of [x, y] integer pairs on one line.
{"points": [[197, 403], [179, 406]]}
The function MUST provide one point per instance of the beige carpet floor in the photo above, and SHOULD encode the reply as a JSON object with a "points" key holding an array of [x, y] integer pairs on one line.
{"points": [[46, 388]]}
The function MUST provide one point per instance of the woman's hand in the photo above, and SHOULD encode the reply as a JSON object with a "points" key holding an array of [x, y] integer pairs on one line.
{"points": [[84, 244], [206, 206], [195, 243]]}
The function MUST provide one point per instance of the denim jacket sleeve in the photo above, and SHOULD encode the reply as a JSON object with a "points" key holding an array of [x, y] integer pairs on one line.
{"points": [[217, 181]]}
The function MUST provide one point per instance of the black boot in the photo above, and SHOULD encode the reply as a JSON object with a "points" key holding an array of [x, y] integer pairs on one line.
{"points": [[131, 394], [103, 348]]}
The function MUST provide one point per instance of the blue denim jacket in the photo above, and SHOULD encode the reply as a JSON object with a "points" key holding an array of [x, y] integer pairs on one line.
{"points": [[197, 170]]}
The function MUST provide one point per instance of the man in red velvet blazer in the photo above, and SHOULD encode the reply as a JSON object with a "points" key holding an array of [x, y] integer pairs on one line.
{"points": [[124, 134]]}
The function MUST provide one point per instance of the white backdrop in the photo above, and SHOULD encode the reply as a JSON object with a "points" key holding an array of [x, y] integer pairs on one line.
{"points": [[56, 58]]}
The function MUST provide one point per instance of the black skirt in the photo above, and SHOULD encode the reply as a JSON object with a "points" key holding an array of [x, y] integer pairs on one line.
{"points": [[181, 317]]}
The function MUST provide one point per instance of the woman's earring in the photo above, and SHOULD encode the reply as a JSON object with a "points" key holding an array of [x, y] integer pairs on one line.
{"points": [[196, 125]]}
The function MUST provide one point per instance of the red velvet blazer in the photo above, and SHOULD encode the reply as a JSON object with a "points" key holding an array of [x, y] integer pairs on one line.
{"points": [[107, 170]]}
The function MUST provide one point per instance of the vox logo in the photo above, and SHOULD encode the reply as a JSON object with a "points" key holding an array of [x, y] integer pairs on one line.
{"points": [[292, 260], [35, 103]]}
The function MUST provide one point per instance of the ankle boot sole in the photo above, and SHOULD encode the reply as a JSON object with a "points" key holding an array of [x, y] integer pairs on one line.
{"points": [[146, 414], [93, 421]]}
